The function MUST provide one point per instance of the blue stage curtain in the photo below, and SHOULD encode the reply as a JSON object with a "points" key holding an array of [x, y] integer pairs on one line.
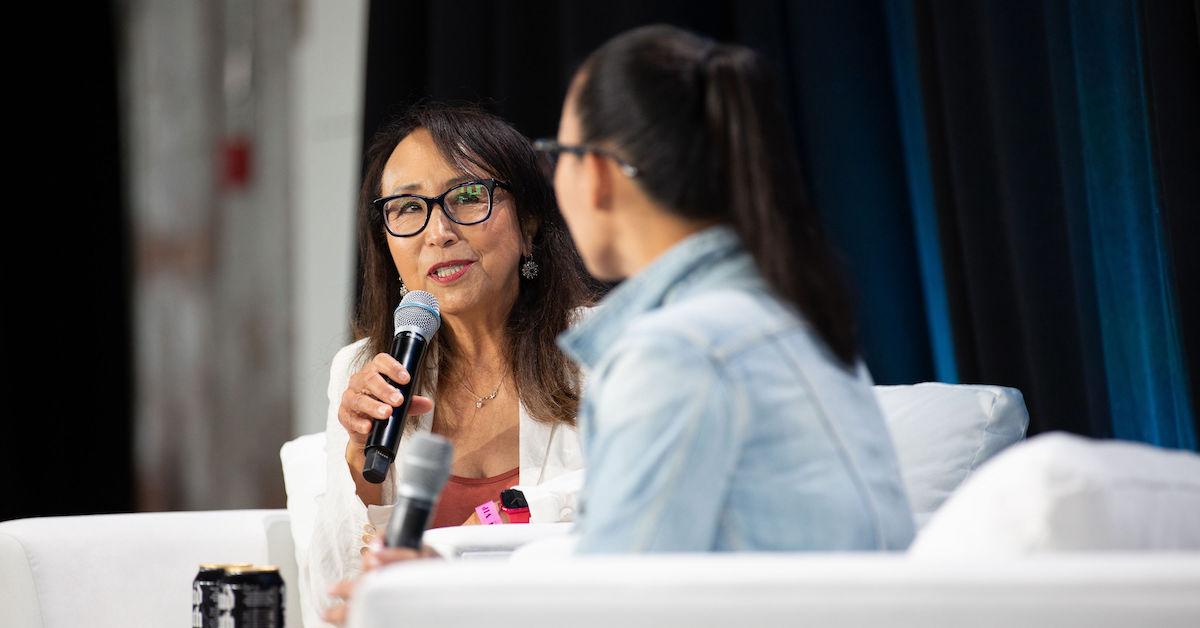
{"points": [[910, 112], [993, 173], [856, 146], [1059, 269], [1099, 58]]}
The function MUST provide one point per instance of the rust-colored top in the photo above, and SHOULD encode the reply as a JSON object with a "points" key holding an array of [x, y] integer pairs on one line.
{"points": [[462, 495]]}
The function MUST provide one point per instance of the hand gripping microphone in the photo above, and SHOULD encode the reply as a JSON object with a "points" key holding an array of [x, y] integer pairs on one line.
{"points": [[425, 468], [417, 319]]}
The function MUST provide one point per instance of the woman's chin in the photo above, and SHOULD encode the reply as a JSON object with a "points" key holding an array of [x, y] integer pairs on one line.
{"points": [[457, 298]]}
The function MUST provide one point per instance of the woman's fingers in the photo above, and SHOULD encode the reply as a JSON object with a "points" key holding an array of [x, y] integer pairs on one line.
{"points": [[369, 397], [385, 364], [356, 424], [343, 589], [359, 424], [377, 557], [381, 390], [371, 408], [336, 614], [366, 404], [374, 392]]}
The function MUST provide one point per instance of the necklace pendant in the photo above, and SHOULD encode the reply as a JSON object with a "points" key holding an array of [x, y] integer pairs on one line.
{"points": [[479, 403]]}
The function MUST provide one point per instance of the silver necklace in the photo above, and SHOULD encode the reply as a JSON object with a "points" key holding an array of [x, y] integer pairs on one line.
{"points": [[479, 401]]}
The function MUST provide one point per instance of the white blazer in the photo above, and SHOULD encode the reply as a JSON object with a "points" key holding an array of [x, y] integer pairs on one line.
{"points": [[551, 474]]}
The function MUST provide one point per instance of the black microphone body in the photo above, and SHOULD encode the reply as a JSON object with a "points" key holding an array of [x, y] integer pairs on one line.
{"points": [[408, 348], [409, 520], [424, 471], [416, 320]]}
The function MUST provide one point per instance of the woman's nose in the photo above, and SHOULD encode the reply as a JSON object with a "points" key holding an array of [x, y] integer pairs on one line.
{"points": [[441, 230]]}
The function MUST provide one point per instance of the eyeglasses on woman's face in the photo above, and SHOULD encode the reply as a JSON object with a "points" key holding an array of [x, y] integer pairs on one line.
{"points": [[469, 203], [553, 148]]}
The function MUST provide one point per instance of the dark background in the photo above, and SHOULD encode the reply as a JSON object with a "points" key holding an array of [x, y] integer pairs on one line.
{"points": [[948, 146], [67, 440], [963, 155]]}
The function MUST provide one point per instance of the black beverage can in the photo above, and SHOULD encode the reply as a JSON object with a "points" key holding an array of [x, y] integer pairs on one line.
{"points": [[205, 588], [251, 597]]}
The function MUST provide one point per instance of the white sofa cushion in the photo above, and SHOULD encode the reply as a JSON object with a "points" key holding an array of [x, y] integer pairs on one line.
{"points": [[1059, 492], [943, 432], [117, 571]]}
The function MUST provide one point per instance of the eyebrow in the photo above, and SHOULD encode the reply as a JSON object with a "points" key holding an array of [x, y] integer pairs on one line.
{"points": [[410, 187]]}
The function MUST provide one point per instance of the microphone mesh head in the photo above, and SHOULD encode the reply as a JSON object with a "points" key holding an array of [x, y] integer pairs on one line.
{"points": [[418, 310], [426, 466]]}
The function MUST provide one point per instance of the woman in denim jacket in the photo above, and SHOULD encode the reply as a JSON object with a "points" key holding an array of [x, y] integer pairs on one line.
{"points": [[726, 406]]}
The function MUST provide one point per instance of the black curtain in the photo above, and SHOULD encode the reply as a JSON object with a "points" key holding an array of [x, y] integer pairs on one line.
{"points": [[1171, 31], [1005, 233], [67, 439], [1018, 141]]}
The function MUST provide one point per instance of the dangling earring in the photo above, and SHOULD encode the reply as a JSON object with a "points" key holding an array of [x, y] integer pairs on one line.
{"points": [[530, 268], [403, 288]]}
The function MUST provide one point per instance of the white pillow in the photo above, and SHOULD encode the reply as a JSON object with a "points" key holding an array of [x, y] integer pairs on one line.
{"points": [[1059, 492], [303, 479], [943, 432]]}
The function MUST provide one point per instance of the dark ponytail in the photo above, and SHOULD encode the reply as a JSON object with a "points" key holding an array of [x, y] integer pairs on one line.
{"points": [[702, 122]]}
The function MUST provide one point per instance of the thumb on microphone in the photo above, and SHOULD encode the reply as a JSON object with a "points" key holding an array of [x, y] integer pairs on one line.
{"points": [[420, 405]]}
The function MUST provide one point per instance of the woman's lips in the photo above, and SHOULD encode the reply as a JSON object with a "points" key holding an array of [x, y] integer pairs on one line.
{"points": [[449, 273]]}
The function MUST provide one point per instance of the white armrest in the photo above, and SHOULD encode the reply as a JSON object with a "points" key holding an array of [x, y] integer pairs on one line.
{"points": [[843, 590], [130, 570]]}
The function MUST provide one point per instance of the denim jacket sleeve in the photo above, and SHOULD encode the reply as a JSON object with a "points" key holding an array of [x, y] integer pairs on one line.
{"points": [[662, 449]]}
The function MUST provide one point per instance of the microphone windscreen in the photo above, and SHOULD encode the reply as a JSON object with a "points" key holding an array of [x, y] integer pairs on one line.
{"points": [[426, 466], [419, 312]]}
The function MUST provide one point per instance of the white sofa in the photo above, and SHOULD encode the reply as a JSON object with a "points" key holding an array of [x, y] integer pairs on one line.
{"points": [[1057, 532], [135, 570], [130, 570], [854, 590]]}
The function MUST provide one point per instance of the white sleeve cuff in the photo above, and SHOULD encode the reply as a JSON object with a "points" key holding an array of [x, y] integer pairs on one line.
{"points": [[553, 501], [378, 516]]}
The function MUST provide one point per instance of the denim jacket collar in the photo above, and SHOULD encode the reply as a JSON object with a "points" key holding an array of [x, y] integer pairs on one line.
{"points": [[664, 279]]}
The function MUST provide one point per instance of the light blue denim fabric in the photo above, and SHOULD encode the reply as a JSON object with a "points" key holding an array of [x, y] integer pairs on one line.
{"points": [[714, 419]]}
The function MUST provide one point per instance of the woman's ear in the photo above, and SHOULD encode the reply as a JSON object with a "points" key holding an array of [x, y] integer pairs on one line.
{"points": [[599, 171]]}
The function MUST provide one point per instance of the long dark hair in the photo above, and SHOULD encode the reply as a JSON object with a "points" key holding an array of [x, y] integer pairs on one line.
{"points": [[703, 124], [482, 144]]}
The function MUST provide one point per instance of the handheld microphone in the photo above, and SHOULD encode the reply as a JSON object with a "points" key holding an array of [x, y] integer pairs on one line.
{"points": [[417, 319], [426, 469]]}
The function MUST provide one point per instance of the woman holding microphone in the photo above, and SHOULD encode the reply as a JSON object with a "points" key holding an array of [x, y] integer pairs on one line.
{"points": [[455, 202], [727, 407]]}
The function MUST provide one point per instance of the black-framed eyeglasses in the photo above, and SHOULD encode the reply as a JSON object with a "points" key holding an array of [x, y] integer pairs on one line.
{"points": [[552, 149], [469, 203]]}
